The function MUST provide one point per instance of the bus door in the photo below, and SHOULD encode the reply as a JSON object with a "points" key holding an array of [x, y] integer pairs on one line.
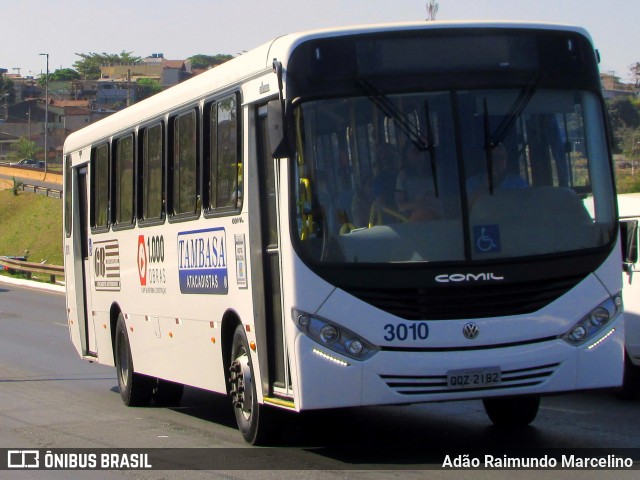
{"points": [[267, 288], [87, 331]]}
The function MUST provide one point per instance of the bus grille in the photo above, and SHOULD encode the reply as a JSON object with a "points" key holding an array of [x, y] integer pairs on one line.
{"points": [[476, 301], [437, 384]]}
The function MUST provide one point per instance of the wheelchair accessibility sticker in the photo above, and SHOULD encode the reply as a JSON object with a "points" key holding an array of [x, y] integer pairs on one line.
{"points": [[486, 238]]}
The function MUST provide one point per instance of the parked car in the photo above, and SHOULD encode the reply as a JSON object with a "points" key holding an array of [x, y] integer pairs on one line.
{"points": [[28, 163]]}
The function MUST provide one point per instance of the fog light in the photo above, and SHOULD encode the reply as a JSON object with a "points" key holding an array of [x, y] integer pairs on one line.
{"points": [[599, 316], [329, 334], [618, 301], [304, 320], [355, 347], [578, 333]]}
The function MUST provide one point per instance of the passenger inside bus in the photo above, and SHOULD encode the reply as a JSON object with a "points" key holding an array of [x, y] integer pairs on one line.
{"points": [[503, 177], [384, 209], [415, 186]]}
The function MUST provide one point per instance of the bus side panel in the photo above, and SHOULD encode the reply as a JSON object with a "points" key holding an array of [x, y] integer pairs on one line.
{"points": [[629, 211], [175, 335], [631, 296]]}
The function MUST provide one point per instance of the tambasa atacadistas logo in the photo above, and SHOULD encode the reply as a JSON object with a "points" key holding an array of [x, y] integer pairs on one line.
{"points": [[202, 261]]}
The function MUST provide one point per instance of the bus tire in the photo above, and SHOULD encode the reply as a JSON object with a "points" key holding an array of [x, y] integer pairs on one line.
{"points": [[630, 388], [512, 412], [251, 417], [168, 393], [135, 389]]}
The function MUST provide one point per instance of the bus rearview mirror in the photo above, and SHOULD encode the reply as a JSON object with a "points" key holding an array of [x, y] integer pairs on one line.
{"points": [[278, 138]]}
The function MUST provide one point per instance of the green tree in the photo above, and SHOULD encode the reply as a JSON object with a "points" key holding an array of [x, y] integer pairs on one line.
{"points": [[624, 113], [7, 88], [634, 70], [23, 148], [63, 74], [206, 61], [89, 65], [146, 87]]}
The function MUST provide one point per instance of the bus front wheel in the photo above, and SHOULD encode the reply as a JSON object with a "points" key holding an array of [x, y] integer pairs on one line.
{"points": [[512, 412], [252, 418], [135, 389], [630, 388]]}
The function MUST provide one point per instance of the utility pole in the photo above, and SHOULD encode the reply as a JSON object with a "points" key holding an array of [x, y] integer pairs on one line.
{"points": [[46, 116]]}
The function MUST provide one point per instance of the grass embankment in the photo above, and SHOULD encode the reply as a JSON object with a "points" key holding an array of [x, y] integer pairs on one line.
{"points": [[31, 222]]}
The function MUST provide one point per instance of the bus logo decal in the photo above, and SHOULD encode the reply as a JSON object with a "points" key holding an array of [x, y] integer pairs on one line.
{"points": [[202, 261], [106, 266], [150, 262], [471, 330], [241, 261], [142, 261]]}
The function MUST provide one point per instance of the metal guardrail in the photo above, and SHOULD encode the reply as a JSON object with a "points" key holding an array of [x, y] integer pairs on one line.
{"points": [[49, 192], [29, 267]]}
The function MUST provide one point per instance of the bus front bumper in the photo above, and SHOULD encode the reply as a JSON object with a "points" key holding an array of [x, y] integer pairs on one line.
{"points": [[329, 380]]}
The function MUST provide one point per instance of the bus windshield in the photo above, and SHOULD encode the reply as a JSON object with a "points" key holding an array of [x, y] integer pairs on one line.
{"points": [[451, 175]]}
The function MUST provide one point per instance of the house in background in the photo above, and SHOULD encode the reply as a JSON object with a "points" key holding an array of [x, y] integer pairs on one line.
{"points": [[116, 87], [613, 87]]}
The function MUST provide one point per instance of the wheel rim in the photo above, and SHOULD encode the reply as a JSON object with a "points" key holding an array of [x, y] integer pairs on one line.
{"points": [[123, 361], [241, 385]]}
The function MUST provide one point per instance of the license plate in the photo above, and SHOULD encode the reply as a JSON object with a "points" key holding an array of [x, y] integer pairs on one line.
{"points": [[474, 377]]}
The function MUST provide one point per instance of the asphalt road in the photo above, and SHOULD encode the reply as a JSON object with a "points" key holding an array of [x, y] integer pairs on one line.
{"points": [[50, 398]]}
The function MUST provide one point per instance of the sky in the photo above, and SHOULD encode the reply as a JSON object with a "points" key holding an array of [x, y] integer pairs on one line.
{"points": [[183, 28]]}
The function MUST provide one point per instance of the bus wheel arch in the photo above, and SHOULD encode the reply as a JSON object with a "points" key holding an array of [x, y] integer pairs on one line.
{"points": [[114, 313], [136, 389], [230, 321], [254, 420]]}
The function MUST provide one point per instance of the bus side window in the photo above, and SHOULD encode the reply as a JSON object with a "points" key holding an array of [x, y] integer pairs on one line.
{"points": [[184, 166], [100, 167], [123, 201], [68, 196], [225, 162], [152, 174]]}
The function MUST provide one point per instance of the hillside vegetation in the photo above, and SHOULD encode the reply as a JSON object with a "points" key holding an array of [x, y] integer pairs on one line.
{"points": [[31, 222]]}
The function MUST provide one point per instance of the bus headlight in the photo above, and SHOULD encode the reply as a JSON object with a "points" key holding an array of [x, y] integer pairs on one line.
{"points": [[329, 334], [594, 322], [333, 336]]}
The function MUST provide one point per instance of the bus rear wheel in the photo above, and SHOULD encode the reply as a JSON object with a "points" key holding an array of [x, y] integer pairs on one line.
{"points": [[512, 412], [251, 417], [135, 389]]}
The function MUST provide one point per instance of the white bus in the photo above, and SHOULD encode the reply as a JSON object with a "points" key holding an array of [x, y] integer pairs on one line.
{"points": [[374, 215], [629, 212]]}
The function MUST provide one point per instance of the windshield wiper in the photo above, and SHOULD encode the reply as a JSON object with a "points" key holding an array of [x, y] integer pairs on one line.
{"points": [[491, 141], [517, 107], [412, 132], [431, 147], [488, 145]]}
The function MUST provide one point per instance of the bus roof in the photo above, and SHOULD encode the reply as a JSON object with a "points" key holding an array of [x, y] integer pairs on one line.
{"points": [[257, 61]]}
